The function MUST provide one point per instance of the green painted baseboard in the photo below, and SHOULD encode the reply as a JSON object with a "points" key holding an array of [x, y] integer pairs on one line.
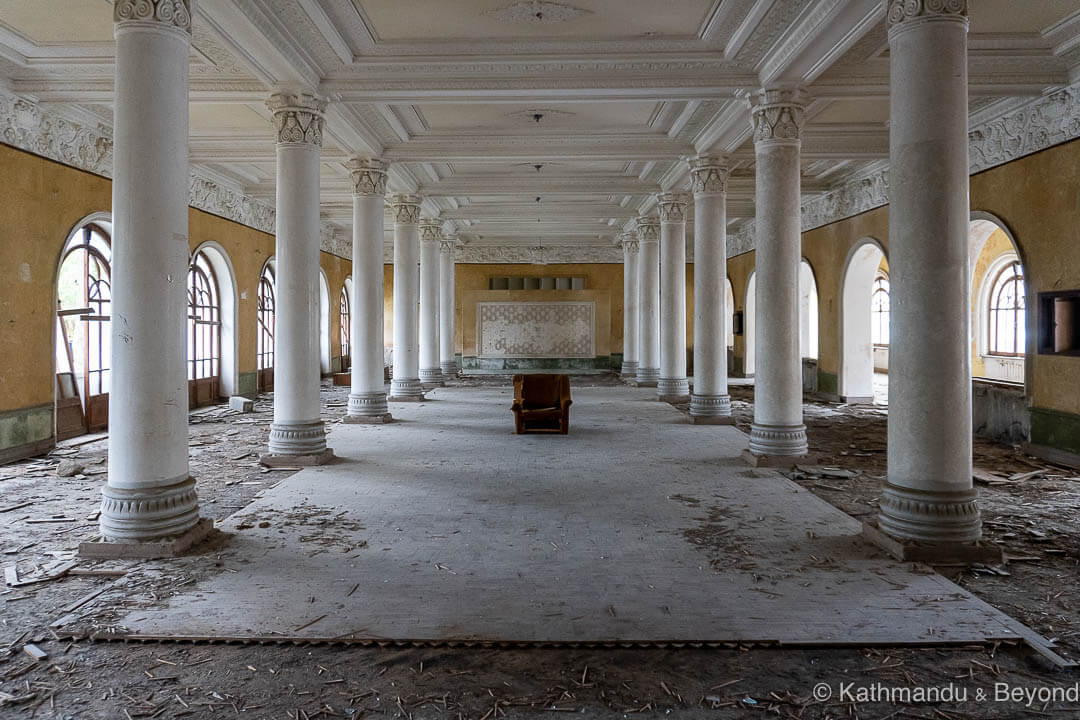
{"points": [[248, 385], [1055, 429], [26, 432], [827, 383], [600, 362]]}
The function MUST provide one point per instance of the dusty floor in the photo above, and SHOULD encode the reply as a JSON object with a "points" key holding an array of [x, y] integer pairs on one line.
{"points": [[1034, 518]]}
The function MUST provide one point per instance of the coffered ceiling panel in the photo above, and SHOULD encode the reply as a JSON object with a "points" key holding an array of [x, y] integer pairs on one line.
{"points": [[439, 20], [226, 116], [514, 119], [1007, 16], [870, 110], [59, 21]]}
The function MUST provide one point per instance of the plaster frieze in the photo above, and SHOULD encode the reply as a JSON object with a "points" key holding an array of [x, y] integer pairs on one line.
{"points": [[902, 11], [546, 254], [171, 13], [778, 114], [672, 206], [298, 118], [405, 208], [368, 176], [708, 175]]}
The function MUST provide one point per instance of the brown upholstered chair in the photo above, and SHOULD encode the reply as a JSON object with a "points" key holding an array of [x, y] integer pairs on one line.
{"points": [[541, 403]]}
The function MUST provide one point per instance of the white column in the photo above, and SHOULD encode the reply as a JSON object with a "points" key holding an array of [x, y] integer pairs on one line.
{"points": [[405, 385], [648, 232], [928, 495], [430, 237], [297, 435], [710, 402], [673, 385], [778, 425], [629, 243], [149, 494], [447, 354], [367, 398]]}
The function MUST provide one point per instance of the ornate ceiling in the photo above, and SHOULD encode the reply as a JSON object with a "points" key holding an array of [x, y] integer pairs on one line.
{"points": [[483, 106]]}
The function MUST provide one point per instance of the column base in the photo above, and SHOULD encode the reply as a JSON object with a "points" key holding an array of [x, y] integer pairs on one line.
{"points": [[406, 390], [705, 407], [673, 388], [169, 547], [448, 369], [923, 516], [629, 369], [431, 378], [381, 419], [648, 377], [950, 553], [777, 461], [369, 404], [784, 440], [150, 514], [280, 460], [297, 438]]}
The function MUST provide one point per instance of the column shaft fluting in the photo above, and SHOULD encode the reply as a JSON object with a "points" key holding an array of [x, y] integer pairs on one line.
{"points": [[630, 247], [297, 429], [149, 494], [447, 355], [367, 397], [710, 397], [430, 237], [405, 384], [929, 495], [648, 230], [778, 425], [673, 384]]}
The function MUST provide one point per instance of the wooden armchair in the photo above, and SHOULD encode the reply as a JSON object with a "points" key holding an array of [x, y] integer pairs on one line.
{"points": [[541, 403]]}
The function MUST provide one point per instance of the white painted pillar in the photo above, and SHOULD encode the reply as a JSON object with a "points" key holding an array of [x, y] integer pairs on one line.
{"points": [[430, 237], [447, 353], [778, 424], [928, 495], [710, 401], [630, 245], [367, 398], [405, 385], [648, 231], [297, 433], [673, 385], [149, 494]]}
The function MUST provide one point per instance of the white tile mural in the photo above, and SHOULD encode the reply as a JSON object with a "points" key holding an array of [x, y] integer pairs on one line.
{"points": [[536, 329]]}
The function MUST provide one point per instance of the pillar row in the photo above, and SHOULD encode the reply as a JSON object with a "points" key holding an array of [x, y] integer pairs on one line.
{"points": [[447, 355], [778, 424], [630, 245], [673, 384], [710, 400], [928, 495], [149, 494], [367, 397], [648, 232], [405, 385], [430, 237]]}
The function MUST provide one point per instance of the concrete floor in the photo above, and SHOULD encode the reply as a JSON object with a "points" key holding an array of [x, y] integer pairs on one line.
{"points": [[637, 526]]}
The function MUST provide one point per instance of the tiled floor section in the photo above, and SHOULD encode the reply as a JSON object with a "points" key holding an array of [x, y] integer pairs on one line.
{"points": [[637, 526]]}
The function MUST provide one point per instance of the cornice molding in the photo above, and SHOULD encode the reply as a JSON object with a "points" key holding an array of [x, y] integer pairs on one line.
{"points": [[1037, 125], [546, 255]]}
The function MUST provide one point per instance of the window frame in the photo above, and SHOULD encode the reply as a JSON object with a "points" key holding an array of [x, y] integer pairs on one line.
{"points": [[880, 286], [992, 311]]}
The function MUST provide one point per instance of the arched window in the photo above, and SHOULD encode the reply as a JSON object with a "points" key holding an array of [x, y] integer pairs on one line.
{"points": [[204, 333], [83, 332], [265, 342], [1006, 311], [879, 311], [346, 319]]}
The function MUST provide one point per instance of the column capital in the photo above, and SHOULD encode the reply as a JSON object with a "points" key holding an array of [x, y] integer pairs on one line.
{"points": [[171, 14], [709, 174], [406, 208], [430, 230], [368, 176], [298, 117], [449, 244], [648, 228], [628, 241], [903, 14], [672, 206], [777, 114]]}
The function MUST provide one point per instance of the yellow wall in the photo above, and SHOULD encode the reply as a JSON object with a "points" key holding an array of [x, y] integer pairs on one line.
{"points": [[46, 201]]}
